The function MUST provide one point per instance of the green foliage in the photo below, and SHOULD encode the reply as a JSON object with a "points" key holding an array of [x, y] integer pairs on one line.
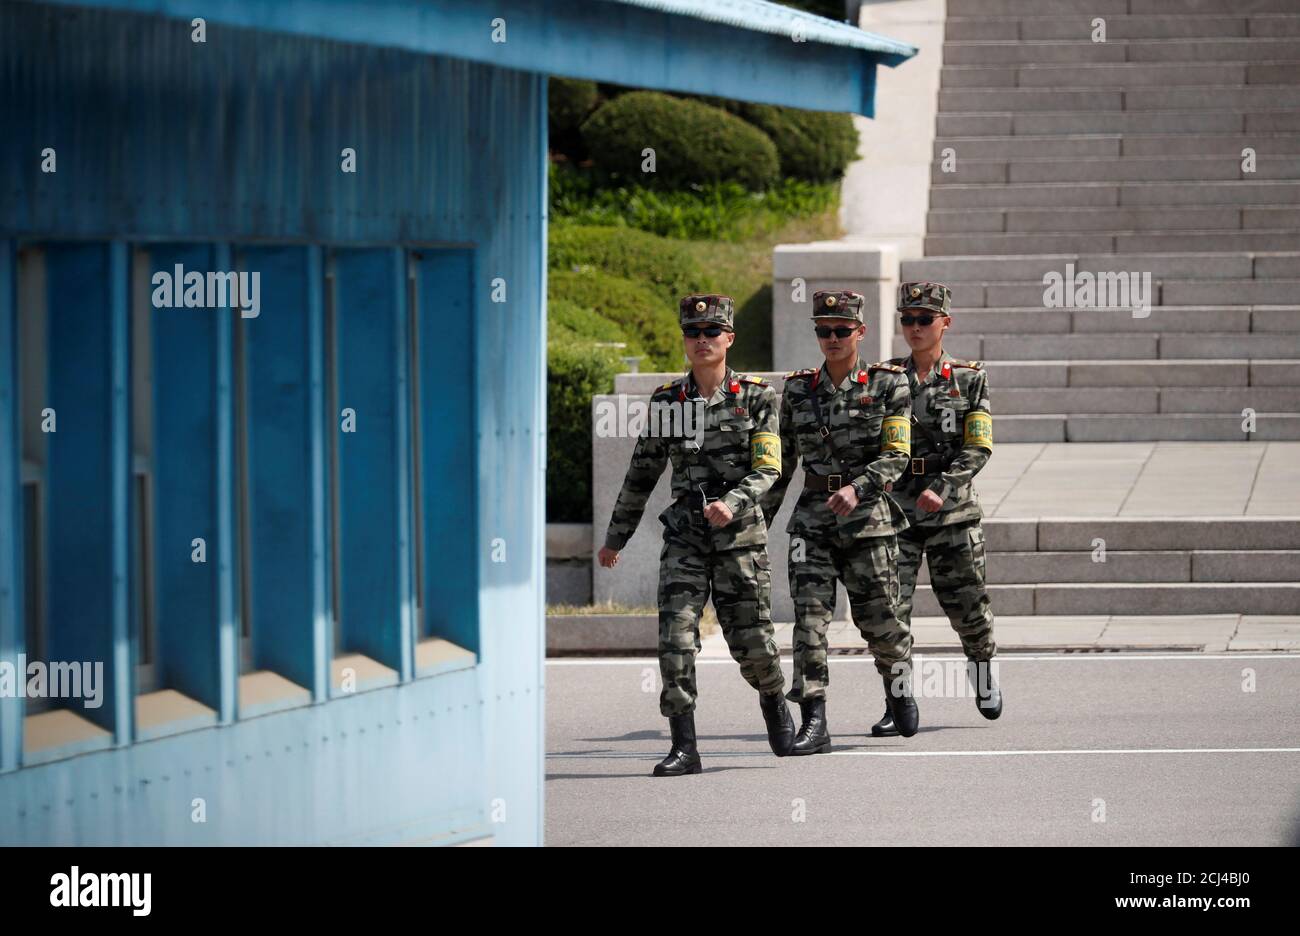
{"points": [[630, 253], [644, 315], [721, 211], [694, 143], [813, 145], [569, 102], [574, 374]]}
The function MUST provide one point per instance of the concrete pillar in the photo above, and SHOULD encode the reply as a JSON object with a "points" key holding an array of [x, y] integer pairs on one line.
{"points": [[799, 270]]}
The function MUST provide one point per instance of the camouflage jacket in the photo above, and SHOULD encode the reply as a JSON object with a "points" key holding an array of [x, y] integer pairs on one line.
{"points": [[950, 418], [733, 451], [867, 417]]}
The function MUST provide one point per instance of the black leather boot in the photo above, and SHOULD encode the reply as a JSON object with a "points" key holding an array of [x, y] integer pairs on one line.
{"points": [[885, 728], [814, 737], [780, 726], [988, 697], [907, 717], [683, 758]]}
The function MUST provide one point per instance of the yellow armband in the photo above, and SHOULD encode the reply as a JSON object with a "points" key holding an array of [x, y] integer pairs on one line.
{"points": [[896, 435], [979, 430], [765, 450]]}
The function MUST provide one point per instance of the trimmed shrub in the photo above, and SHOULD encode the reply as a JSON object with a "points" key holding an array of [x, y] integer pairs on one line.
{"points": [[694, 143], [569, 102], [573, 376], [638, 309], [813, 145], [627, 252]]}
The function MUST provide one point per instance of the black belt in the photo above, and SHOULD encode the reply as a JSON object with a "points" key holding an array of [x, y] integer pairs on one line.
{"points": [[926, 465], [696, 498], [829, 483]]}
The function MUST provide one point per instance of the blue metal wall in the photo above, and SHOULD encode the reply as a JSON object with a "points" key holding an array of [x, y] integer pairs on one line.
{"points": [[236, 143]]}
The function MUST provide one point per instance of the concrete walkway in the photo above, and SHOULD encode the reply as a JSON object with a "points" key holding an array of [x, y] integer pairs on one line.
{"points": [[1142, 479]]}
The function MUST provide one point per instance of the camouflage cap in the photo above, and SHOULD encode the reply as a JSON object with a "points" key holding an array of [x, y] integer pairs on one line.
{"points": [[933, 296], [837, 303], [717, 310]]}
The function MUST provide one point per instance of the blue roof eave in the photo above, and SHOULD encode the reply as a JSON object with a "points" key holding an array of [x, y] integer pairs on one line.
{"points": [[747, 50]]}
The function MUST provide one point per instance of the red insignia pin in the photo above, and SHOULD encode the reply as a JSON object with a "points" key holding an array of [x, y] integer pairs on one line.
{"points": [[862, 376], [735, 386], [946, 370], [864, 399], [954, 392]]}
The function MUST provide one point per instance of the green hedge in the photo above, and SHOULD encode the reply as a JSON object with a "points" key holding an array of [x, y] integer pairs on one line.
{"points": [[813, 145], [574, 374], [627, 252], [694, 143], [569, 102], [645, 316]]}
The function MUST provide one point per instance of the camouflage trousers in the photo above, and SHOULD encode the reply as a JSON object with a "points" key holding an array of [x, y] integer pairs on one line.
{"points": [[868, 569], [741, 584], [955, 555]]}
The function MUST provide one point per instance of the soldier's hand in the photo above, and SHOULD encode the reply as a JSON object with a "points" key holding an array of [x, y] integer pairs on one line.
{"points": [[929, 501], [607, 557], [718, 514], [843, 501]]}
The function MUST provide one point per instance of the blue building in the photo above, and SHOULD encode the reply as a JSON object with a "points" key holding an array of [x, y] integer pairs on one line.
{"points": [[294, 530]]}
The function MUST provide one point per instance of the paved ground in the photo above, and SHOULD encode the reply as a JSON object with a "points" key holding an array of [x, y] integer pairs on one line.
{"points": [[1168, 749], [1142, 479]]}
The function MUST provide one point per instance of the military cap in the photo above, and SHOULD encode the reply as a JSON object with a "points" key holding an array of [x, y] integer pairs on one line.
{"points": [[715, 310], [935, 297], [837, 303]]}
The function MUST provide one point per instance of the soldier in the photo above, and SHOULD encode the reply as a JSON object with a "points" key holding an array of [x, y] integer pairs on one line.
{"points": [[952, 439], [849, 425], [715, 539]]}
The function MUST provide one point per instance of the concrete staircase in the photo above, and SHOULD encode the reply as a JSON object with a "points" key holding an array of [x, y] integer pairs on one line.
{"points": [[1055, 152], [1150, 566]]}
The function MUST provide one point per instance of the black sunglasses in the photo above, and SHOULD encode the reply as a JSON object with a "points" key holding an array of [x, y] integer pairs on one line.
{"points": [[839, 331], [921, 320], [713, 331]]}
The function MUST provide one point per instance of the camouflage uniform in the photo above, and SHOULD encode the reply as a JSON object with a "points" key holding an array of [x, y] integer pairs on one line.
{"points": [[953, 435], [732, 454], [867, 443]]}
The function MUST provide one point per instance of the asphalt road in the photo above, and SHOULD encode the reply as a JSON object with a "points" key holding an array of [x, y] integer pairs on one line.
{"points": [[1098, 749]]}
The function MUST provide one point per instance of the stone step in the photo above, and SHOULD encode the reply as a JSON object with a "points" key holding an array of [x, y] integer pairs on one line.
{"points": [[1035, 267], [1119, 27], [1118, 8], [1228, 375], [1114, 194], [1086, 401], [1155, 98], [1161, 427], [1136, 598], [1153, 566], [996, 244], [1005, 123], [1064, 219], [1164, 319], [1082, 50], [1010, 148], [1133, 346], [1224, 167], [1079, 534], [1122, 75], [1166, 291]]}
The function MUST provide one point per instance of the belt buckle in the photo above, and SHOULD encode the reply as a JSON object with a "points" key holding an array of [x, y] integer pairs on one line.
{"points": [[918, 466], [833, 482]]}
